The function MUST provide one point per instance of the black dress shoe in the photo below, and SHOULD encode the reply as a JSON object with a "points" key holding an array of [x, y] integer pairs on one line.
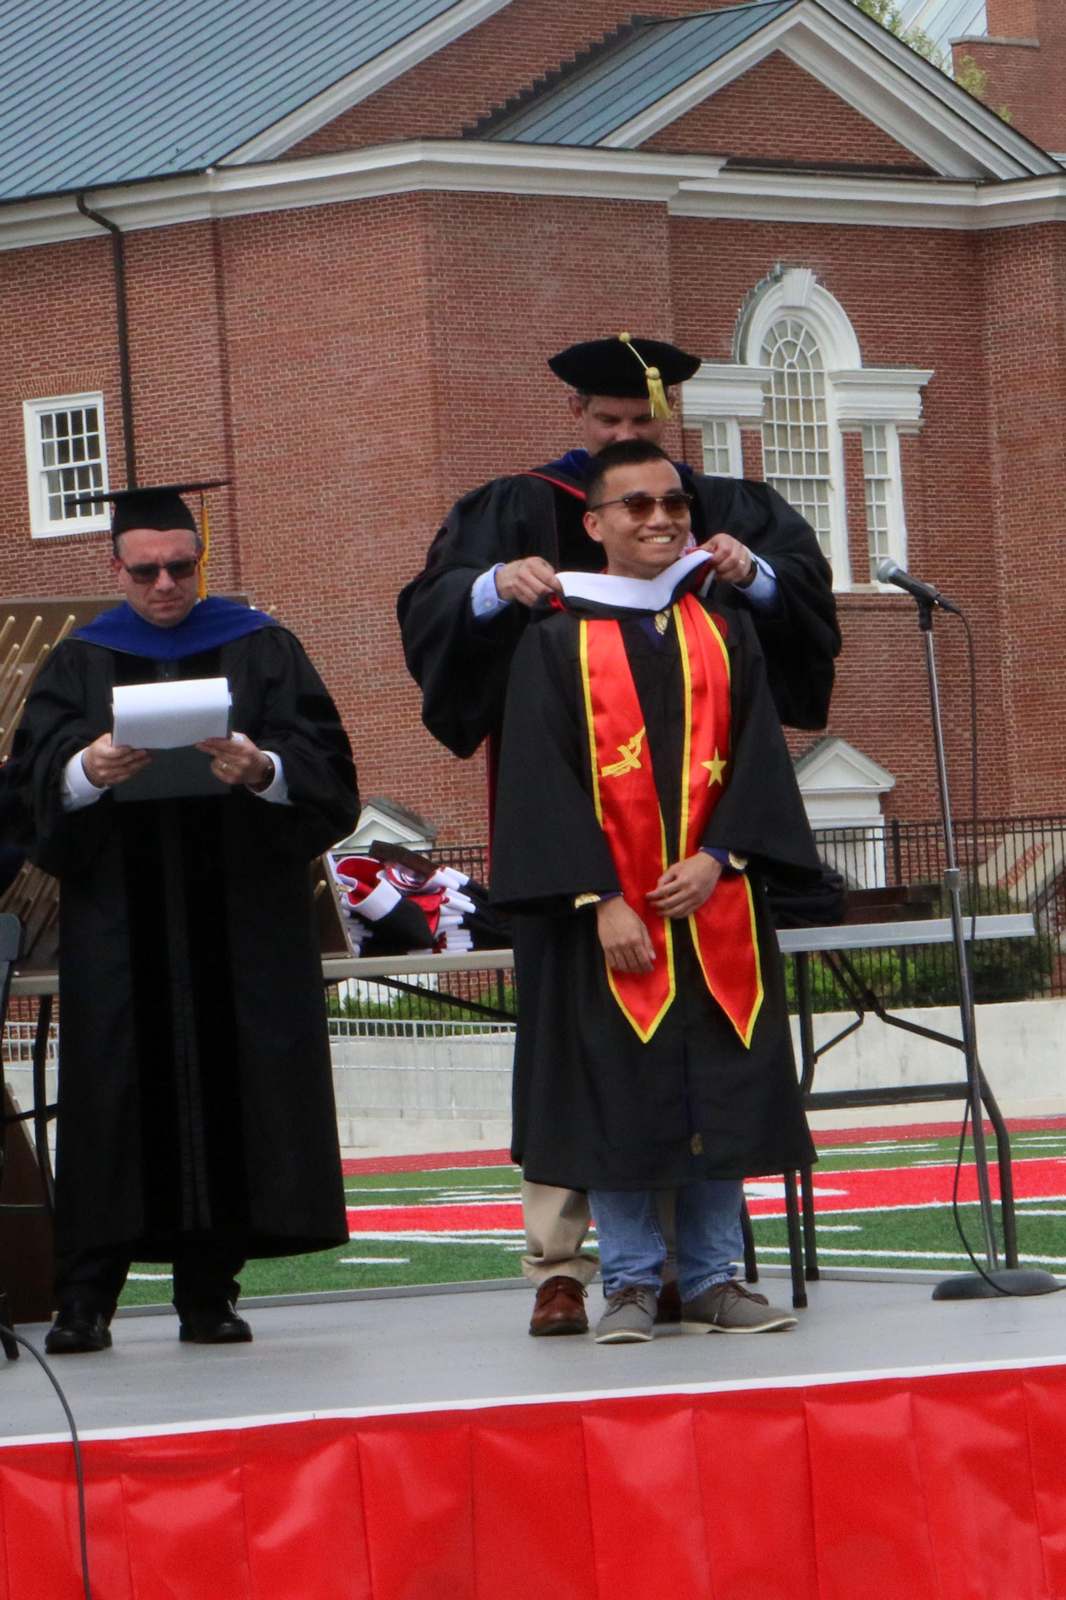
{"points": [[217, 1323], [78, 1330]]}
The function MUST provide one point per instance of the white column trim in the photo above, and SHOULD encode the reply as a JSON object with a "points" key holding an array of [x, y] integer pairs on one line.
{"points": [[880, 394], [725, 389]]}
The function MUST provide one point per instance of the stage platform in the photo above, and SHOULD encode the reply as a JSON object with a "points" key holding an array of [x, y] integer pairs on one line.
{"points": [[420, 1446]]}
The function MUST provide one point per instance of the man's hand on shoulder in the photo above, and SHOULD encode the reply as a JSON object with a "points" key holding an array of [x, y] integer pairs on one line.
{"points": [[527, 580], [733, 561], [626, 941], [106, 764], [684, 887]]}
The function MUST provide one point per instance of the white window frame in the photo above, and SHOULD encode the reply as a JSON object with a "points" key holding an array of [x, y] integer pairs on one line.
{"points": [[718, 394], [42, 526], [722, 434], [855, 395], [795, 294], [836, 500], [895, 518]]}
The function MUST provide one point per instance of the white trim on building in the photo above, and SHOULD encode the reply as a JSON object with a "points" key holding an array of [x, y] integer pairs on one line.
{"points": [[66, 453]]}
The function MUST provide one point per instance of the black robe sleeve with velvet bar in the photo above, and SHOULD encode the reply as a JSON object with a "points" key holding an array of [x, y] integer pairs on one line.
{"points": [[195, 1085], [593, 1106], [461, 664]]}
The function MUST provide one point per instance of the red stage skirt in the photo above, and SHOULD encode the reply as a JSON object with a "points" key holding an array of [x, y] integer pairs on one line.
{"points": [[950, 1486]]}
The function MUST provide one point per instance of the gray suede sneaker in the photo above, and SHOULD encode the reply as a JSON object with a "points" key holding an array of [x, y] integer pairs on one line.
{"points": [[629, 1317], [730, 1308]]}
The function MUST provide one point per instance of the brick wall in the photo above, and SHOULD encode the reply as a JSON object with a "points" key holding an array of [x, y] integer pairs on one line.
{"points": [[354, 367], [757, 117], [1024, 544], [57, 341], [881, 704], [512, 280], [1012, 19], [1025, 59]]}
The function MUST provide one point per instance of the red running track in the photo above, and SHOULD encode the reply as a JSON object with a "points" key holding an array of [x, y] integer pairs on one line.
{"points": [[862, 1189]]}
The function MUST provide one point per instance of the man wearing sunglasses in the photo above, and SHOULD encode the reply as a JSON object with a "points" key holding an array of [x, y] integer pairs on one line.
{"points": [[500, 546], [196, 1122], [497, 554], [644, 786]]}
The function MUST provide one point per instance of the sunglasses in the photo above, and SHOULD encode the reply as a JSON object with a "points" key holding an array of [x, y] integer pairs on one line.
{"points": [[676, 504], [147, 572]]}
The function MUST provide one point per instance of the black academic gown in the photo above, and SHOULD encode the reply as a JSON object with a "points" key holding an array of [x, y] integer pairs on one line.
{"points": [[593, 1106], [461, 664], [195, 1095]]}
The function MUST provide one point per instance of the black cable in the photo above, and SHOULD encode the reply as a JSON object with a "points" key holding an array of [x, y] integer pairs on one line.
{"points": [[1006, 1294], [79, 1472]]}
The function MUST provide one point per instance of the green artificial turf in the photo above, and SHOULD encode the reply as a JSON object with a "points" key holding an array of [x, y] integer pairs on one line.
{"points": [[907, 1238]]}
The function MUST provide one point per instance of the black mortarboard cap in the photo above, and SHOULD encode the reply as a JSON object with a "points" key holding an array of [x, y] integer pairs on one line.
{"points": [[159, 507], [624, 367]]}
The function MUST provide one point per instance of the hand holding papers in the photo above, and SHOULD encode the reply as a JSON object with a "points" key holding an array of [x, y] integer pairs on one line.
{"points": [[237, 760], [167, 718]]}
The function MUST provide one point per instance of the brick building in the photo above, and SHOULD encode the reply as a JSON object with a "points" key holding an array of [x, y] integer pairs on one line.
{"points": [[351, 232]]}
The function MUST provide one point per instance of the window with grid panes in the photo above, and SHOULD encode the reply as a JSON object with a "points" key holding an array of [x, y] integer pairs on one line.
{"points": [[65, 457], [795, 425], [720, 448], [877, 475]]}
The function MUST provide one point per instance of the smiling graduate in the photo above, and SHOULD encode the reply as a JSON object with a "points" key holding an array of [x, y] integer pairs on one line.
{"points": [[644, 784]]}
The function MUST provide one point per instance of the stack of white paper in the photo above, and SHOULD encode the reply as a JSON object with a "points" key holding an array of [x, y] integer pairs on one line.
{"points": [[167, 715]]}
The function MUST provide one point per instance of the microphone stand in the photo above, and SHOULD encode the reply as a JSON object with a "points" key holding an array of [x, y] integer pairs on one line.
{"points": [[997, 1281]]}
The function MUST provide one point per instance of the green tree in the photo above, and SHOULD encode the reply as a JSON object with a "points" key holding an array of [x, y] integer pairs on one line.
{"points": [[968, 75]]}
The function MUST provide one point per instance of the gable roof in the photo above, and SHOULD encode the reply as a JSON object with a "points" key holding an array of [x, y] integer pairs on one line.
{"points": [[643, 78], [626, 74], [96, 92]]}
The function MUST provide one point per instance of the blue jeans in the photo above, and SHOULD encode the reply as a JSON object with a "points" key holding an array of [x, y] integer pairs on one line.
{"points": [[709, 1235]]}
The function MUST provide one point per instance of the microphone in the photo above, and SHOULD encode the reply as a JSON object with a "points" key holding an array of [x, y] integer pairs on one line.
{"points": [[889, 572]]}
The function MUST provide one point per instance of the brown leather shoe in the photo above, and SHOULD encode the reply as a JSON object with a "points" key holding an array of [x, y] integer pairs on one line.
{"points": [[559, 1308]]}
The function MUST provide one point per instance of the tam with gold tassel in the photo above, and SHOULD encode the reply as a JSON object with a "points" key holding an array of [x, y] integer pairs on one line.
{"points": [[604, 367], [660, 406]]}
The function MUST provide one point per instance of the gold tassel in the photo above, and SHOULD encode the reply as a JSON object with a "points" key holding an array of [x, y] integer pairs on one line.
{"points": [[205, 539], [660, 407]]}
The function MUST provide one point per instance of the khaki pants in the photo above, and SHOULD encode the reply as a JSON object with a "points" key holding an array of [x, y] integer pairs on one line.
{"points": [[557, 1224]]}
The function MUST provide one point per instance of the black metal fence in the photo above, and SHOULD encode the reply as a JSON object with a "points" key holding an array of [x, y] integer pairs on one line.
{"points": [[1009, 864]]}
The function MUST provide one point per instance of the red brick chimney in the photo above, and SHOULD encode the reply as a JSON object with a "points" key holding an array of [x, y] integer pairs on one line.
{"points": [[1024, 56]]}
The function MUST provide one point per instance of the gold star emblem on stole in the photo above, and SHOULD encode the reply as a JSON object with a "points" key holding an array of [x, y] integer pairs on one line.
{"points": [[715, 769], [630, 753]]}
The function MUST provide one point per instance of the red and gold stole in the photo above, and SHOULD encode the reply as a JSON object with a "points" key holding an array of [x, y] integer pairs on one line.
{"points": [[628, 811]]}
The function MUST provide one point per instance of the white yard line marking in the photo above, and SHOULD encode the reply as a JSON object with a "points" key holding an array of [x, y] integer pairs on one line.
{"points": [[374, 1261], [911, 1255]]}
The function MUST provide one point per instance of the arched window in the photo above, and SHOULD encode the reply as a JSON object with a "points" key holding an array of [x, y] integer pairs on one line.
{"points": [[798, 377], [795, 428]]}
